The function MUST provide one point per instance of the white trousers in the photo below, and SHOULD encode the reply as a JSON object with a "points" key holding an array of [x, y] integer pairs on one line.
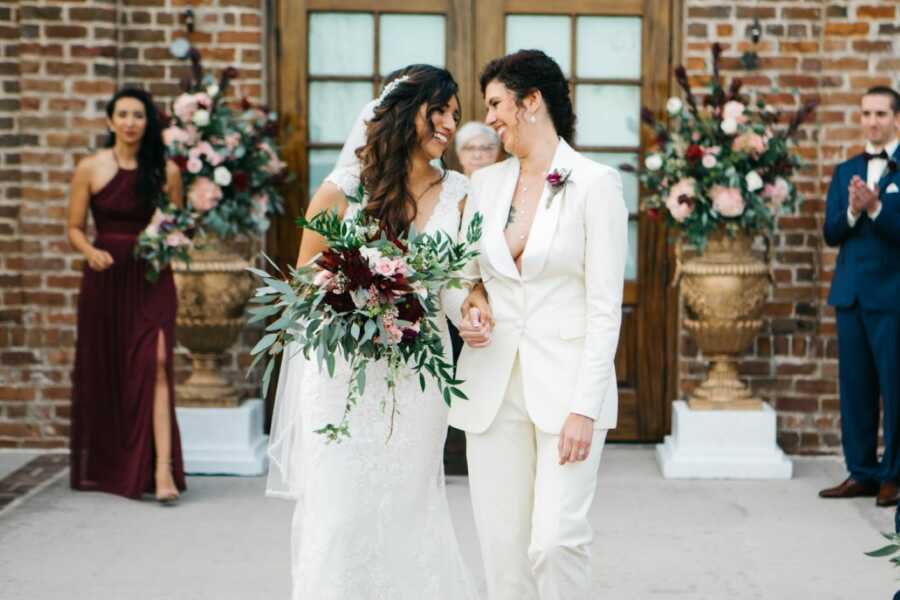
{"points": [[530, 512]]}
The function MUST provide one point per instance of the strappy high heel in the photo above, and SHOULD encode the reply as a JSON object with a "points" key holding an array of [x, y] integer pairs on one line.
{"points": [[170, 498]]}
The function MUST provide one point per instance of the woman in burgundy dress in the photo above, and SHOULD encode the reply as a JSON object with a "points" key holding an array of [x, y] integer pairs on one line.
{"points": [[124, 436]]}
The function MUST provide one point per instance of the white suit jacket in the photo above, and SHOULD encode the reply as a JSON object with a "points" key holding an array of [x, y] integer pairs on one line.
{"points": [[562, 314]]}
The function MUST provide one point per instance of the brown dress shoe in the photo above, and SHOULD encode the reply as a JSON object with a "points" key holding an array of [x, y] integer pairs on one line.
{"points": [[888, 494], [850, 488]]}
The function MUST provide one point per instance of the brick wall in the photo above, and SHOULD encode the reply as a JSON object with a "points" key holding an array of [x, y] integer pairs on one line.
{"points": [[814, 48], [59, 64], [60, 61]]}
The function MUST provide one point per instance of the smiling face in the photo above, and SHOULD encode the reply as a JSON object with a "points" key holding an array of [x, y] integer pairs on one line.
{"points": [[879, 121], [129, 120], [435, 140], [504, 115]]}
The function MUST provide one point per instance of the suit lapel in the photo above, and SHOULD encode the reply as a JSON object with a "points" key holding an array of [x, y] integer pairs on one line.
{"points": [[500, 198], [544, 227], [888, 174]]}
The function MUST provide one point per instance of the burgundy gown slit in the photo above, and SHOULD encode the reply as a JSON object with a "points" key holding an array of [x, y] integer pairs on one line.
{"points": [[120, 318]]}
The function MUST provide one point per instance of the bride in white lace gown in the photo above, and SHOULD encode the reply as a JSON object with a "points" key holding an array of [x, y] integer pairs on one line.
{"points": [[372, 520]]}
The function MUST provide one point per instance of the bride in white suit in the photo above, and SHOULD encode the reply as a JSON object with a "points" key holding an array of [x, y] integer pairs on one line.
{"points": [[539, 362]]}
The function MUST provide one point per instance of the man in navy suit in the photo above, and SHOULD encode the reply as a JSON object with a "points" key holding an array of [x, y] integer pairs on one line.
{"points": [[862, 217]]}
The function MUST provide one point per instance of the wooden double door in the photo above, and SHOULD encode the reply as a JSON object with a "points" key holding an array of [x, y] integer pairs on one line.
{"points": [[331, 56]]}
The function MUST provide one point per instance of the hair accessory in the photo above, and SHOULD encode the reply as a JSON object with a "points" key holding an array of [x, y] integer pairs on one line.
{"points": [[390, 88]]}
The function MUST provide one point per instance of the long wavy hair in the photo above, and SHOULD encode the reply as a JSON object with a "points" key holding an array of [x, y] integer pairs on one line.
{"points": [[391, 140], [528, 70], [151, 156]]}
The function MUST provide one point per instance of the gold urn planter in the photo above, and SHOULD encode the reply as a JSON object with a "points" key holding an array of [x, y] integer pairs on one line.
{"points": [[213, 292], [725, 290]]}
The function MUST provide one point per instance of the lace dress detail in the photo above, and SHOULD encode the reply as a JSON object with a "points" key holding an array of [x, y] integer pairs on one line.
{"points": [[374, 523]]}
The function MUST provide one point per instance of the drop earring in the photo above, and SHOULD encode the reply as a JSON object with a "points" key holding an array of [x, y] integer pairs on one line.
{"points": [[531, 119]]}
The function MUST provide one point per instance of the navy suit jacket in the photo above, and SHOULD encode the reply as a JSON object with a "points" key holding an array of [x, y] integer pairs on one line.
{"points": [[868, 263]]}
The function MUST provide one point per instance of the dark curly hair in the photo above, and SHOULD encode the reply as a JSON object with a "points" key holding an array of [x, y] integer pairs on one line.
{"points": [[391, 139], [151, 156], [525, 71]]}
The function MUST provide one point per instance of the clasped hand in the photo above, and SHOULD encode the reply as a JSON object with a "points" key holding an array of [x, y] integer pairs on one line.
{"points": [[862, 198], [477, 319]]}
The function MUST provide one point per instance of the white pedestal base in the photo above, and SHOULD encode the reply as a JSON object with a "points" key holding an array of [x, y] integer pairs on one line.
{"points": [[223, 441], [725, 444]]}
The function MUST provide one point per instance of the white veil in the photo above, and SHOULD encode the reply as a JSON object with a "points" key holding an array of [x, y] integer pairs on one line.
{"points": [[286, 462]]}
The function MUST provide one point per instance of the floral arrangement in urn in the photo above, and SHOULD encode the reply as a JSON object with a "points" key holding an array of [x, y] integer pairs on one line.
{"points": [[227, 157], [722, 162]]}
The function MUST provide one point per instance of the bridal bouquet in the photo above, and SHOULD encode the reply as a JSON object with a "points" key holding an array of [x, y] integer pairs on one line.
{"points": [[369, 297], [722, 162], [166, 238]]}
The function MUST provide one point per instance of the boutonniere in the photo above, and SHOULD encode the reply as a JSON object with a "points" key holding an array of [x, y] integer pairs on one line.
{"points": [[557, 180]]}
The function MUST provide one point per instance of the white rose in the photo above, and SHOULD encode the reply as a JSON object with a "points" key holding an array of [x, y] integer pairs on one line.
{"points": [[674, 106], [754, 181], [222, 176], [201, 118], [709, 161], [653, 162], [729, 126], [212, 91]]}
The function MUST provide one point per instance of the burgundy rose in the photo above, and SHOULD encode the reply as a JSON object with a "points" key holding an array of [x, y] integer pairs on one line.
{"points": [[357, 269], [181, 161], [693, 153], [411, 310], [409, 336], [554, 179], [241, 181], [330, 261], [341, 303]]}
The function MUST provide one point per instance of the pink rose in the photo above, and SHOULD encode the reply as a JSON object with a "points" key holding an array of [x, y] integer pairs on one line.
{"points": [[204, 194], [176, 239], [680, 201], [399, 266], [709, 161], [749, 142], [175, 135], [384, 267], [734, 110], [185, 106], [727, 201], [194, 165], [714, 150], [323, 279], [777, 192]]}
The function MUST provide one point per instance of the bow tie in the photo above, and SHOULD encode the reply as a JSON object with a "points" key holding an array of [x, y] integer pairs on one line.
{"points": [[883, 155]]}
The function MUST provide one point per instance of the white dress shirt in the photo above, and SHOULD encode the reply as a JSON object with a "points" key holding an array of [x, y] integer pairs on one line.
{"points": [[875, 169]]}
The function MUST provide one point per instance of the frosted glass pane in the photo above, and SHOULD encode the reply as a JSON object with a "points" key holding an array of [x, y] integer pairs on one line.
{"points": [[333, 105], [552, 34], [629, 180], [408, 39], [608, 115], [321, 162], [631, 261], [341, 44], [609, 47]]}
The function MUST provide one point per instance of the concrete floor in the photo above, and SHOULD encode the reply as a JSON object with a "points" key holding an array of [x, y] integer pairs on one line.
{"points": [[697, 540]]}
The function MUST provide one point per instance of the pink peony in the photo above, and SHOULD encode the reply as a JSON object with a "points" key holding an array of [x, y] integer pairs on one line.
{"points": [[194, 165], [204, 194], [777, 192], [680, 201], [727, 201], [734, 110], [749, 142]]}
